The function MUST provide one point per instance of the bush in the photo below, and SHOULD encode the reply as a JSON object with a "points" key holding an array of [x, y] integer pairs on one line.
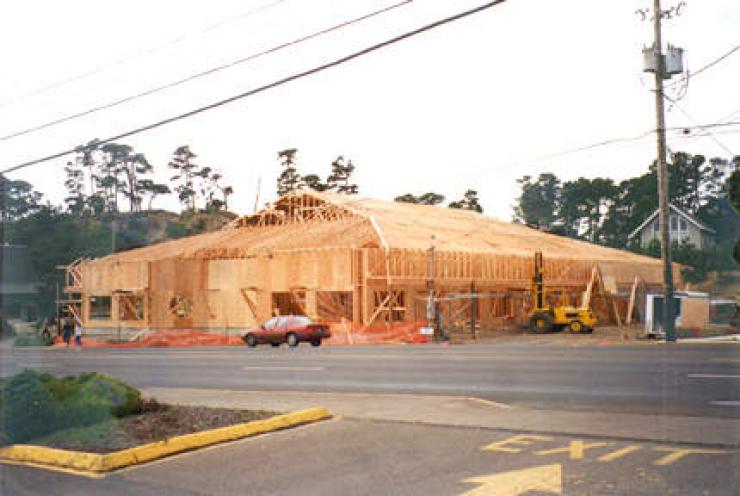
{"points": [[24, 340], [36, 404]]}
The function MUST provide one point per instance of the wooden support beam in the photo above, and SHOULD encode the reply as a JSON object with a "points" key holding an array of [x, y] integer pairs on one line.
{"points": [[631, 305], [586, 301], [383, 306], [252, 306]]}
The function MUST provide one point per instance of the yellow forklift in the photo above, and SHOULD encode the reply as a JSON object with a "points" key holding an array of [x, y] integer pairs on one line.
{"points": [[547, 318]]}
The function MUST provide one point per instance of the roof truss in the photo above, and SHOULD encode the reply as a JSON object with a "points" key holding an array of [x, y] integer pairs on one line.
{"points": [[297, 208]]}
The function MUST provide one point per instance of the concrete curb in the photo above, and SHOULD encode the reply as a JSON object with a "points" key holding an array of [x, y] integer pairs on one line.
{"points": [[93, 463]]}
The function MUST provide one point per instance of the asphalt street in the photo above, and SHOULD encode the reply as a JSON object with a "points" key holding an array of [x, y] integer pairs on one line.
{"points": [[490, 449], [668, 379], [360, 457]]}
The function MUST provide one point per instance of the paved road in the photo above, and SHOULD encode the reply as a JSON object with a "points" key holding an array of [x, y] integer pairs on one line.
{"points": [[359, 457], [678, 379]]}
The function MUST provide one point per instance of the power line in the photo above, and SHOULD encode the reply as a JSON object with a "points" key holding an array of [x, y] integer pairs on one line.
{"points": [[207, 72], [708, 66], [609, 142], [274, 84], [704, 132], [137, 55]]}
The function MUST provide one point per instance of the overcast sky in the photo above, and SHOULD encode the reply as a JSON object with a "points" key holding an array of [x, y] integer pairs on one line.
{"points": [[475, 104]]}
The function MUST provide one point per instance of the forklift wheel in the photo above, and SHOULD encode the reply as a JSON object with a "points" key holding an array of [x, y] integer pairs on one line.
{"points": [[577, 326], [540, 323]]}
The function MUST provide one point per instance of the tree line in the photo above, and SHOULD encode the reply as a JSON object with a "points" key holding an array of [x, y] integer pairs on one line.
{"points": [[108, 207], [103, 177], [605, 212], [340, 181]]}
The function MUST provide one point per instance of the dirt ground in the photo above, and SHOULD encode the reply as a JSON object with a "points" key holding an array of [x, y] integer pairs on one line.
{"points": [[602, 335], [156, 422]]}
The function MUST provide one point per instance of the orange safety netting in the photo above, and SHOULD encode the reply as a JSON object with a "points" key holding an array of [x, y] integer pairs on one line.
{"points": [[342, 334], [399, 333]]}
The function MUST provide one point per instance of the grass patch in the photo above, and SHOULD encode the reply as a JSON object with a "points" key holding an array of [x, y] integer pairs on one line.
{"points": [[27, 340]]}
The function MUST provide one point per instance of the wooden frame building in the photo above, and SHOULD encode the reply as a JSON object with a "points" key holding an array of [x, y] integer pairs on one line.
{"points": [[358, 262]]}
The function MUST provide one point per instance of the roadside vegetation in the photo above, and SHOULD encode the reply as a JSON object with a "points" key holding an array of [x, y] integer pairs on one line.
{"points": [[605, 212], [96, 413], [111, 195]]}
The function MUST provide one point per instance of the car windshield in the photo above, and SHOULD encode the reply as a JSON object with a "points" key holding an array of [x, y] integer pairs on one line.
{"points": [[270, 323], [281, 322]]}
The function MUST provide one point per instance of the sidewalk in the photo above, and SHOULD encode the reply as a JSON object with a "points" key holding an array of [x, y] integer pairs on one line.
{"points": [[470, 412]]}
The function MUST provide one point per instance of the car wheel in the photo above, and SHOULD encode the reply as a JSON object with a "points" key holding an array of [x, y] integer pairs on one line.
{"points": [[251, 340], [292, 340], [316, 342], [275, 344], [577, 326]]}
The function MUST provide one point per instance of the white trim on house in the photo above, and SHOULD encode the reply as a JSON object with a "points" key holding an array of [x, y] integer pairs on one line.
{"points": [[677, 210]]}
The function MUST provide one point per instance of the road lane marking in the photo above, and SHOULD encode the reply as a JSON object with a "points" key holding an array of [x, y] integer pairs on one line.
{"points": [[519, 439], [489, 403], [619, 453], [725, 403], [574, 449], [726, 360], [283, 369], [713, 376], [675, 454], [544, 479]]}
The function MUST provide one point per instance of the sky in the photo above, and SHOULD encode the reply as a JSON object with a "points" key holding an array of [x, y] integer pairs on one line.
{"points": [[472, 105]]}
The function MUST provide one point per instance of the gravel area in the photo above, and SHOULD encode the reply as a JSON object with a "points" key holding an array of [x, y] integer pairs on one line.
{"points": [[156, 422]]}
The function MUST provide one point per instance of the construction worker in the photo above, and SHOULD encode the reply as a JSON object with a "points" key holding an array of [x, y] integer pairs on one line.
{"points": [[78, 335], [67, 330]]}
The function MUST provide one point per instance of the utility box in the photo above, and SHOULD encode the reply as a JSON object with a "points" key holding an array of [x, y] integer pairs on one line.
{"points": [[690, 311], [672, 61]]}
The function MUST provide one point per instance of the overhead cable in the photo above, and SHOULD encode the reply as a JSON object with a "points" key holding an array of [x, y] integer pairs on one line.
{"points": [[207, 72], [269, 86], [137, 55], [707, 66]]}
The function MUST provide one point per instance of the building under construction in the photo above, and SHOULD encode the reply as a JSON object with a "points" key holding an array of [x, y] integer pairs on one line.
{"points": [[361, 264]]}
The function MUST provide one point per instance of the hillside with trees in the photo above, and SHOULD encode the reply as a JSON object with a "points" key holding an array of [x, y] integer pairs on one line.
{"points": [[605, 212], [109, 207]]}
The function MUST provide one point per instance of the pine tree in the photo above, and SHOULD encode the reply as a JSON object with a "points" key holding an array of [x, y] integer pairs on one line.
{"points": [[186, 172], [314, 182], [469, 202], [289, 180], [429, 198], [75, 185], [341, 172], [216, 194]]}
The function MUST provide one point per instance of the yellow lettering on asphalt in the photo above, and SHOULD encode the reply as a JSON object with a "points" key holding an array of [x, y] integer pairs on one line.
{"points": [[676, 454], [575, 449], [544, 479], [619, 453], [519, 439]]}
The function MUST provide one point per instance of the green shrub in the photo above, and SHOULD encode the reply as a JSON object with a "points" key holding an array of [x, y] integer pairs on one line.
{"points": [[122, 399], [36, 404], [23, 340], [29, 408]]}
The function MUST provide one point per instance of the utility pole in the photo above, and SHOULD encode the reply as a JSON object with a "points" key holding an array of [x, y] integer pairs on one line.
{"points": [[431, 303], [663, 201]]}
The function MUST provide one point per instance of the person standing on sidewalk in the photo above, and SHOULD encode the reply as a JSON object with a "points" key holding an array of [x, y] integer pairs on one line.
{"points": [[78, 335], [67, 330]]}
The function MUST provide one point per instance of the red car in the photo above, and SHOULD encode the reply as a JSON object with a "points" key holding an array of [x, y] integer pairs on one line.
{"points": [[291, 329]]}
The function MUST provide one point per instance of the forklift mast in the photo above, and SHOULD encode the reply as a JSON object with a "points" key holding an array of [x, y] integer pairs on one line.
{"points": [[537, 281]]}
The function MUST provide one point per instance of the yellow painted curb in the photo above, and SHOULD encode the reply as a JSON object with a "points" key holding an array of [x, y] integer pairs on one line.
{"points": [[92, 462]]}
